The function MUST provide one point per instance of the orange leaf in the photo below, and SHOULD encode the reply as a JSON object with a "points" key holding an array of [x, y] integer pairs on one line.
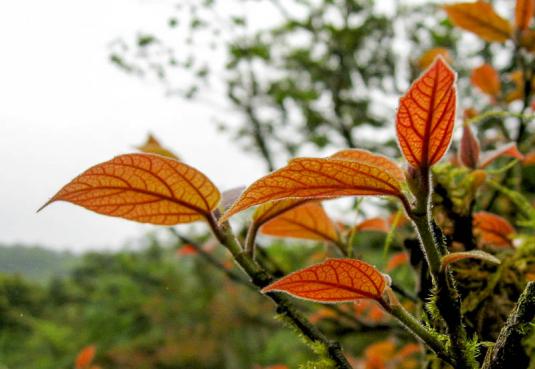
{"points": [[408, 350], [486, 78], [473, 254], [314, 178], [321, 314], [398, 259], [510, 150], [85, 357], [524, 13], [145, 188], [469, 148], [430, 55], [377, 160], [529, 159], [426, 116], [265, 212], [370, 311], [481, 19], [335, 280], [376, 224], [308, 221], [187, 250], [153, 146], [493, 229]]}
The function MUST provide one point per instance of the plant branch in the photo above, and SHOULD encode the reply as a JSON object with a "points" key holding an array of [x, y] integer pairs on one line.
{"points": [[418, 330], [508, 348], [211, 260], [433, 246], [260, 278]]}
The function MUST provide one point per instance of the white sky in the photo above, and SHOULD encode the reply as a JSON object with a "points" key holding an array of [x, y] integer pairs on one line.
{"points": [[64, 108]]}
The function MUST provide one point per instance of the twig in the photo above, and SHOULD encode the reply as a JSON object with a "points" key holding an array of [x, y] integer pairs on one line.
{"points": [[211, 260], [260, 278], [508, 348]]}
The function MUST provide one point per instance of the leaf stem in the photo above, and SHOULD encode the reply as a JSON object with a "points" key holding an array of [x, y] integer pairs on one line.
{"points": [[260, 278], [433, 246], [419, 330]]}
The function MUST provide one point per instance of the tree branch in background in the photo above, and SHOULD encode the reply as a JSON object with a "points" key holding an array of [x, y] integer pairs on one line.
{"points": [[508, 348]]}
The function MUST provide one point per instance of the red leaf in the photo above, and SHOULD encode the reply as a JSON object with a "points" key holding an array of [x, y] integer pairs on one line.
{"points": [[493, 229], [307, 221], [335, 280], [317, 178], [187, 250], [510, 150], [376, 224], [85, 357], [469, 148], [473, 254], [145, 188], [398, 259], [426, 116], [524, 13], [487, 79]]}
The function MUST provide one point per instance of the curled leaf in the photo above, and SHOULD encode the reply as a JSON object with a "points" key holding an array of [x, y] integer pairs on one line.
{"points": [[335, 280], [144, 188], [487, 79], [307, 221], [314, 178], [493, 229], [524, 10], [426, 116], [469, 148], [153, 146], [510, 150], [473, 254], [480, 18]]}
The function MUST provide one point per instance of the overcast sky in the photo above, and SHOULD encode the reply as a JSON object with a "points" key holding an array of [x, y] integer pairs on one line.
{"points": [[64, 108]]}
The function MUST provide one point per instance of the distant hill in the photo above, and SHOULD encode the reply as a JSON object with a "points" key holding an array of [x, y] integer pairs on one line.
{"points": [[35, 262]]}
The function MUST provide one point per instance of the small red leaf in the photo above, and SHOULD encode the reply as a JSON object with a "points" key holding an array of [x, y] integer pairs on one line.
{"points": [[187, 250], [524, 13], [426, 116], [480, 18], [376, 224], [510, 150], [335, 280], [85, 357], [493, 229], [487, 79], [473, 254], [469, 148], [398, 259]]}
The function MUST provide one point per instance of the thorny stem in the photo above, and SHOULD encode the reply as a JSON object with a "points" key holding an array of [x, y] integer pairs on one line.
{"points": [[418, 330], [508, 348], [447, 298], [260, 278]]}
